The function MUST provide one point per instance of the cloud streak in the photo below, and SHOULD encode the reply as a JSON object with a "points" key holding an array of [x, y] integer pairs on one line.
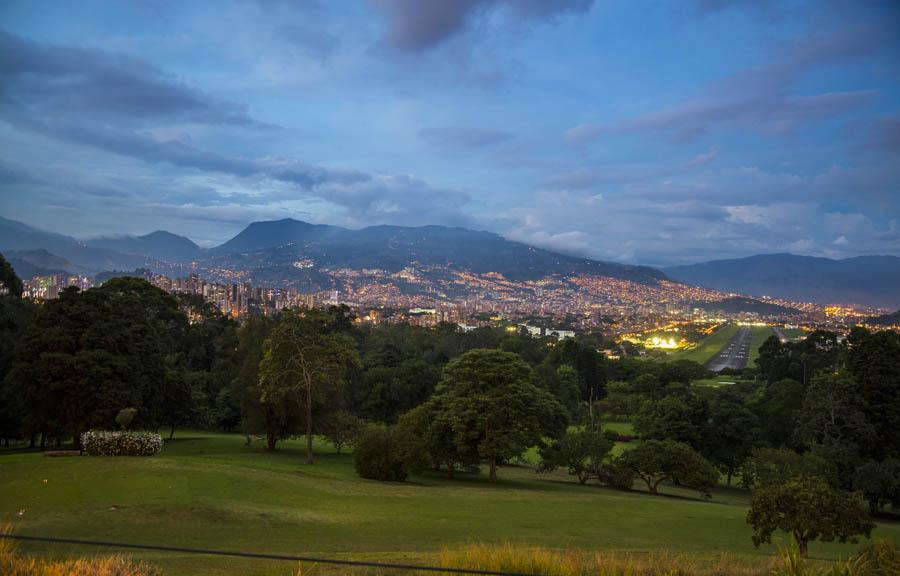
{"points": [[415, 26]]}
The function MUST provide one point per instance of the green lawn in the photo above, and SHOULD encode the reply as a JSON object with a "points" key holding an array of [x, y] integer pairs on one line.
{"points": [[707, 348], [759, 334], [208, 490], [793, 332]]}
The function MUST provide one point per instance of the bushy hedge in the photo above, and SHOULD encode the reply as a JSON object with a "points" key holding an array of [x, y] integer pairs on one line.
{"points": [[121, 443], [379, 456]]}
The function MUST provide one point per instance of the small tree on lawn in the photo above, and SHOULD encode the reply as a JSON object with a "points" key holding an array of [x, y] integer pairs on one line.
{"points": [[305, 356], [658, 461], [342, 428], [125, 416], [808, 508], [581, 452]]}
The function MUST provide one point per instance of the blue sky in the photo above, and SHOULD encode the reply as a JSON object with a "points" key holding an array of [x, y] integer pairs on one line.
{"points": [[650, 132]]}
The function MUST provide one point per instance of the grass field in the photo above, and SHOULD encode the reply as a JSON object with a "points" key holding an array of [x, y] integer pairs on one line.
{"points": [[208, 490], [758, 335], [793, 332], [707, 348]]}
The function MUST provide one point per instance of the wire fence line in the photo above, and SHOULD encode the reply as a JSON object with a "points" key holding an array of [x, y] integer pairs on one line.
{"points": [[261, 555]]}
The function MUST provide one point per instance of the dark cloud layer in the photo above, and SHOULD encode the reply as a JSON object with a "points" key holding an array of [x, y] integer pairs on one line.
{"points": [[55, 80], [112, 103], [415, 25]]}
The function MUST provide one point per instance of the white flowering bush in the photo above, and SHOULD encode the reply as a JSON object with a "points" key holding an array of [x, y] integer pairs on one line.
{"points": [[121, 443]]}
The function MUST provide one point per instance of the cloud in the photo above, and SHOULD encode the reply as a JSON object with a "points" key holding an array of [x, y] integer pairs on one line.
{"points": [[464, 137], [704, 158], [121, 106], [769, 113], [415, 26], [52, 81], [759, 97]]}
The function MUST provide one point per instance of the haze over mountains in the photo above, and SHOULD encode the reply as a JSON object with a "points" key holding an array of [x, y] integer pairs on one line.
{"points": [[870, 280], [272, 250]]}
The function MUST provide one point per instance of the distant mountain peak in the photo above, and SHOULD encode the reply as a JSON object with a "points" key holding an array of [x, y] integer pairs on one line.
{"points": [[393, 247], [159, 244]]}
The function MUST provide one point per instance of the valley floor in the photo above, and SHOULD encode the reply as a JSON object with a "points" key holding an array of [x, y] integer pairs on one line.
{"points": [[207, 490]]}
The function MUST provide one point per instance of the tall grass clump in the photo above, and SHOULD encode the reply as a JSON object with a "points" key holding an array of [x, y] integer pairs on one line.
{"points": [[881, 558], [14, 564], [511, 558]]}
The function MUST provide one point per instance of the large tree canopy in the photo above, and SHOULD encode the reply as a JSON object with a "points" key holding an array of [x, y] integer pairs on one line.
{"points": [[489, 402]]}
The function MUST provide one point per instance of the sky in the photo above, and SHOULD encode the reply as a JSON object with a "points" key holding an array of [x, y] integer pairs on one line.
{"points": [[658, 133]]}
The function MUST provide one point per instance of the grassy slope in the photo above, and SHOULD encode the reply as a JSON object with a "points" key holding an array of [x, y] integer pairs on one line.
{"points": [[208, 490], [759, 334], [707, 348], [793, 332]]}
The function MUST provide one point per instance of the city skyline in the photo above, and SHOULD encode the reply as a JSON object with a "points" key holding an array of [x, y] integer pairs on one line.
{"points": [[661, 136]]}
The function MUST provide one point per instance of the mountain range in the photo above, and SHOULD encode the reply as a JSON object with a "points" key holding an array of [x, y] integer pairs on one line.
{"points": [[867, 280], [273, 249]]}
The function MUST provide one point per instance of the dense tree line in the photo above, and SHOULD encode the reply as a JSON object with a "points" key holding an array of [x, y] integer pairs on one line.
{"points": [[821, 412]]}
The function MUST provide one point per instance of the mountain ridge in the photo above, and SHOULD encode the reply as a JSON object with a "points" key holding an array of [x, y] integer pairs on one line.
{"points": [[395, 247], [160, 244], [865, 280]]}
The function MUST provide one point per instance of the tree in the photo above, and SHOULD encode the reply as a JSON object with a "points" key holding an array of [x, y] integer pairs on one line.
{"points": [[15, 316], [305, 356], [9, 281], [658, 461], [581, 452], [342, 428], [386, 391], [621, 400], [734, 430], [89, 354], [673, 418], [777, 411], [832, 421], [490, 403], [799, 361], [879, 482], [809, 509], [772, 466], [872, 359], [564, 387]]}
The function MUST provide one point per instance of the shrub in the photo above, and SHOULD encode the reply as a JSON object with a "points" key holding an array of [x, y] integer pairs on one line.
{"points": [[377, 455], [100, 443], [125, 416], [616, 475]]}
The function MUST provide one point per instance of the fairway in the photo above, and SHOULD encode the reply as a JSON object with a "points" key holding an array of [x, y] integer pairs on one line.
{"points": [[208, 490], [759, 335], [708, 347]]}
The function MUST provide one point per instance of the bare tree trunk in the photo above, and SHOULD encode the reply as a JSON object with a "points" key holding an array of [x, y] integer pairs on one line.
{"points": [[309, 425], [271, 439], [493, 461], [803, 544], [172, 431]]}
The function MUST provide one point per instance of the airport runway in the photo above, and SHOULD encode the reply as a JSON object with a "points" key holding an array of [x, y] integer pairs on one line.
{"points": [[735, 354]]}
